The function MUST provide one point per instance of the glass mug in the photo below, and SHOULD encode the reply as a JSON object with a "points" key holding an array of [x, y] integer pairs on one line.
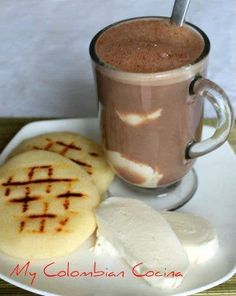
{"points": [[151, 123]]}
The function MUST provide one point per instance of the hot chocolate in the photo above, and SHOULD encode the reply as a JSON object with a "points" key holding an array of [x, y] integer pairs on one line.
{"points": [[146, 129], [149, 46], [148, 119]]}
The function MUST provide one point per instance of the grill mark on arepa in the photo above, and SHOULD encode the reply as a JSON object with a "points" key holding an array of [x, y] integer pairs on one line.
{"points": [[62, 223], [36, 216], [94, 154], [66, 204], [34, 168], [49, 145], [64, 150], [45, 207], [43, 220], [42, 225], [19, 183], [87, 166], [71, 194], [25, 199], [22, 225], [67, 195], [37, 148], [48, 189], [7, 192], [44, 215], [69, 146], [61, 143], [50, 171], [31, 173], [81, 163]]}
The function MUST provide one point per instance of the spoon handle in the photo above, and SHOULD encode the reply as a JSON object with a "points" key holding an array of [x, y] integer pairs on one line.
{"points": [[179, 11]]}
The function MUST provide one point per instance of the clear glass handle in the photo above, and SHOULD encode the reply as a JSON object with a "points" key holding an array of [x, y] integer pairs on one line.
{"points": [[204, 88]]}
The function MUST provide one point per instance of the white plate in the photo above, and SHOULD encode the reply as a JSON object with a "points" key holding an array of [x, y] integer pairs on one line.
{"points": [[214, 199]]}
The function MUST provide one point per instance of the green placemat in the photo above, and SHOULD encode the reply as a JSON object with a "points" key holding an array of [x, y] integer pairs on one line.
{"points": [[10, 126]]}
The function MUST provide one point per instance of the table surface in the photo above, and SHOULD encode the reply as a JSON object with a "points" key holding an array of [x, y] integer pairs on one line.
{"points": [[10, 126]]}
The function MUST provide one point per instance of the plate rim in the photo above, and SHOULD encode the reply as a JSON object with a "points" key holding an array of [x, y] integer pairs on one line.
{"points": [[3, 156]]}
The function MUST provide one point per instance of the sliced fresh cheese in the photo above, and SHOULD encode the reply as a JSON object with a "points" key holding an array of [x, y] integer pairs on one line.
{"points": [[103, 246], [142, 237], [197, 235]]}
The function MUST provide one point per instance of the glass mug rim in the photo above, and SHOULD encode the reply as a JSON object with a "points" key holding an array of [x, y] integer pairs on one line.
{"points": [[95, 58]]}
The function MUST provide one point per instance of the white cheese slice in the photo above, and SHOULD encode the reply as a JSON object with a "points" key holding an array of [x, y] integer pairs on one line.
{"points": [[103, 246], [197, 235], [140, 234]]}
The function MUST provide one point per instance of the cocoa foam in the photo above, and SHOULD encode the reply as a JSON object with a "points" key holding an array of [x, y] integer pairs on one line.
{"points": [[148, 46]]}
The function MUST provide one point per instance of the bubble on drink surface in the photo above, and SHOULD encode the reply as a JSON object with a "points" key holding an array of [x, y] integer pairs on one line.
{"points": [[164, 55]]}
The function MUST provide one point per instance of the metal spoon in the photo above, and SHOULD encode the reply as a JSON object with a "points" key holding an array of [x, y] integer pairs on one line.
{"points": [[179, 12]]}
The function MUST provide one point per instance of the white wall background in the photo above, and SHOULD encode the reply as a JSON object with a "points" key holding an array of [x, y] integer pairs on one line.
{"points": [[44, 61]]}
